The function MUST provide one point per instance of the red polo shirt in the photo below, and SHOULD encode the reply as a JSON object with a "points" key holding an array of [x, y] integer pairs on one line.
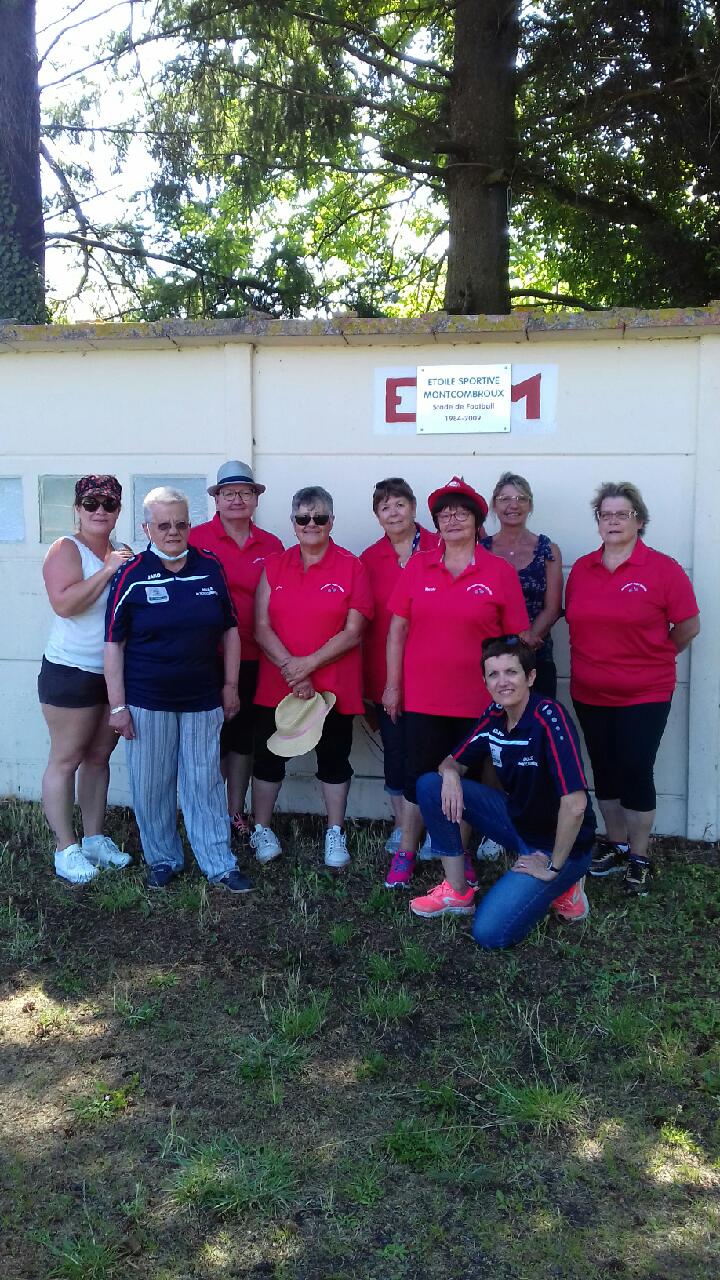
{"points": [[243, 569], [383, 570], [620, 649], [307, 608], [448, 620]]}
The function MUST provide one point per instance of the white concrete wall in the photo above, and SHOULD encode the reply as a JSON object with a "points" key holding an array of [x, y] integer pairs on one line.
{"points": [[646, 411]]}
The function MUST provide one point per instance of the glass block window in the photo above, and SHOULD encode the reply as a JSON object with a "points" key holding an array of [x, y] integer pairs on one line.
{"points": [[12, 515], [57, 499], [195, 488]]}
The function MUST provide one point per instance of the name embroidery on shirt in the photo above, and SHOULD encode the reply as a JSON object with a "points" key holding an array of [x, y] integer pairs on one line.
{"points": [[431, 588], [206, 591], [157, 595]]}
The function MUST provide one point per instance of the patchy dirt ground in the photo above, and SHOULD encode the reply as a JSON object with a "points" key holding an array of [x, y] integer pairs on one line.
{"points": [[308, 1082]]}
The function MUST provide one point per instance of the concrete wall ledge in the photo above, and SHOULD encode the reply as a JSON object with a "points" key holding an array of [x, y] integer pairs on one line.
{"points": [[522, 326]]}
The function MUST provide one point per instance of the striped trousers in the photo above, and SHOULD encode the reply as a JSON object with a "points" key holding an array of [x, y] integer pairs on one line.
{"points": [[178, 752]]}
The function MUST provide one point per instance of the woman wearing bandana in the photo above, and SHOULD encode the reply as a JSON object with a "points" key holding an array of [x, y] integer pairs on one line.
{"points": [[71, 685]]}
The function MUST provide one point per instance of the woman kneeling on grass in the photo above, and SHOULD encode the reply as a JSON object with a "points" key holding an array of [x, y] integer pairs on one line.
{"points": [[543, 814]]}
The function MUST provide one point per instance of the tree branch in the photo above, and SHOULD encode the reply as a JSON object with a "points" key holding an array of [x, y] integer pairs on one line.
{"points": [[562, 299]]}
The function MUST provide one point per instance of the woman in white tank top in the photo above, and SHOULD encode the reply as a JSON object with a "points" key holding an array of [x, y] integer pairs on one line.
{"points": [[71, 686]]}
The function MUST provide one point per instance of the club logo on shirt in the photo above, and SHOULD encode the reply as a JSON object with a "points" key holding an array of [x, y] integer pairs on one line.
{"points": [[334, 587], [634, 587], [154, 575], [206, 591], [259, 560], [479, 589], [496, 754], [157, 595], [527, 762]]}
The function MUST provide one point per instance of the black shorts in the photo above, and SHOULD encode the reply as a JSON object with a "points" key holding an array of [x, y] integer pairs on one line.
{"points": [[622, 743], [332, 751], [428, 740], [237, 734], [60, 686]]}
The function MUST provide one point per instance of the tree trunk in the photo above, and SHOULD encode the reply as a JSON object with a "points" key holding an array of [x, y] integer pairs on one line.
{"points": [[22, 234], [481, 155]]}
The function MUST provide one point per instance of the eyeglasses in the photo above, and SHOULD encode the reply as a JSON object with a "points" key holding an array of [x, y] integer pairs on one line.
{"points": [[166, 525], [454, 513], [107, 504], [521, 499], [304, 521], [614, 515], [245, 494]]}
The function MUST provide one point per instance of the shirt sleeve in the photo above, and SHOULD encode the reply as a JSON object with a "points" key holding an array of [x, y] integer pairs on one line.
{"points": [[361, 596], [680, 601], [117, 617], [476, 746], [513, 608], [562, 748]]}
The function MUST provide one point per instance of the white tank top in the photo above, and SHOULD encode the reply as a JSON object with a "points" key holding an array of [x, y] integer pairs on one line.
{"points": [[78, 641]]}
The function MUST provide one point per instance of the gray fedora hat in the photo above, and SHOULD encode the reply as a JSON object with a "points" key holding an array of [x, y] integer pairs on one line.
{"points": [[235, 472]]}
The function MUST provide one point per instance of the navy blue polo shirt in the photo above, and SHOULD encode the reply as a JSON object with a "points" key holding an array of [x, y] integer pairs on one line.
{"points": [[172, 624], [537, 762]]}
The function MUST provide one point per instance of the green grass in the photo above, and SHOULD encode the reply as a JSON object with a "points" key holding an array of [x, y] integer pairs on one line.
{"points": [[226, 1178], [387, 1004], [313, 1084]]}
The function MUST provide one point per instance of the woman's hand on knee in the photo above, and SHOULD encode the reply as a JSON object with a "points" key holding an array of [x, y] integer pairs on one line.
{"points": [[451, 796], [534, 864]]}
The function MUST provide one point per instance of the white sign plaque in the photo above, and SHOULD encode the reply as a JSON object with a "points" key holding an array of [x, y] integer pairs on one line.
{"points": [[463, 398]]}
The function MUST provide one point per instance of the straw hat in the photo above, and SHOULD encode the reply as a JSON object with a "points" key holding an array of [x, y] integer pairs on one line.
{"points": [[299, 723]]}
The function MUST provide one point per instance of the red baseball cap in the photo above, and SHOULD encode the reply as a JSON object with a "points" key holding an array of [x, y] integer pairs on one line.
{"points": [[454, 488]]}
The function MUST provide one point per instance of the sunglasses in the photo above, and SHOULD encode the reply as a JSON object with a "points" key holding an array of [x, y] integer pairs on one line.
{"points": [[107, 504], [304, 521]]}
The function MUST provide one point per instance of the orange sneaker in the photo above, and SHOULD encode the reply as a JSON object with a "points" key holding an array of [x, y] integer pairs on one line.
{"points": [[444, 901], [572, 905]]}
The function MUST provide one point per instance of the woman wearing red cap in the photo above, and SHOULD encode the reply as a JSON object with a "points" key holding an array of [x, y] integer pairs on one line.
{"points": [[446, 603], [71, 685]]}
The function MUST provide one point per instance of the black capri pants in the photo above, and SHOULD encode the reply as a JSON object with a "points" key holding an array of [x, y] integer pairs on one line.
{"points": [[428, 740], [332, 751], [237, 734], [622, 743]]}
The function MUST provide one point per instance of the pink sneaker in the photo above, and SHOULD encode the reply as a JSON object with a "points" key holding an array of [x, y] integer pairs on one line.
{"points": [[444, 901], [240, 824], [572, 905], [401, 869], [470, 872]]}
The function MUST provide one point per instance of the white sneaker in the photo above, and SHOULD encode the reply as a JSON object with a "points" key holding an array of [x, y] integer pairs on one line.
{"points": [[336, 853], [103, 852], [265, 843], [392, 844], [488, 851], [425, 852], [71, 864]]}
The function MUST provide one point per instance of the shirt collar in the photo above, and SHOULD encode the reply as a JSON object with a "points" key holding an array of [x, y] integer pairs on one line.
{"points": [[221, 532], [638, 555]]}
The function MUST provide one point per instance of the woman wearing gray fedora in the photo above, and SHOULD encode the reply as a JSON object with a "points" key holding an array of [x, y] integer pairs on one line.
{"points": [[242, 549]]}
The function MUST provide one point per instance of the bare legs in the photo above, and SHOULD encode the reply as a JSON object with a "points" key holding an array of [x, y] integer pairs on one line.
{"points": [[628, 826], [81, 743], [265, 794], [236, 772]]}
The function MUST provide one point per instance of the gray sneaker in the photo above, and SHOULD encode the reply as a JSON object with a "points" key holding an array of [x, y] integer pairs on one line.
{"points": [[104, 853], [72, 865], [265, 843], [336, 851]]}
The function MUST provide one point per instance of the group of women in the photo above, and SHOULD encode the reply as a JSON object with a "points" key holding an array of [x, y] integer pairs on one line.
{"points": [[211, 630]]}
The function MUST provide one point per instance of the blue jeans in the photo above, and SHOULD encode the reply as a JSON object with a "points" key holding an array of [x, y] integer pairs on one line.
{"points": [[518, 900]]}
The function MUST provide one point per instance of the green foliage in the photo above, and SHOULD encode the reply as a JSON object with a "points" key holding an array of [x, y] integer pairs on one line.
{"points": [[21, 288], [104, 1103]]}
